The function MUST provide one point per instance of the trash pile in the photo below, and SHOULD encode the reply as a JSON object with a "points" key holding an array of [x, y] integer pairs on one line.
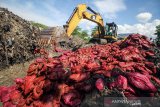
{"points": [[17, 38], [64, 81]]}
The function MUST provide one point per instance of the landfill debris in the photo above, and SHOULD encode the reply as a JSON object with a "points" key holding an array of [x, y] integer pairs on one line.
{"points": [[17, 38]]}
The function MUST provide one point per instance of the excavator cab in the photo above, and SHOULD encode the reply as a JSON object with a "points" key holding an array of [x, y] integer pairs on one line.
{"points": [[111, 31]]}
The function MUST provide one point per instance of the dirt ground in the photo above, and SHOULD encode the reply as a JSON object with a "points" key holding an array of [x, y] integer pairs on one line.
{"points": [[8, 75]]}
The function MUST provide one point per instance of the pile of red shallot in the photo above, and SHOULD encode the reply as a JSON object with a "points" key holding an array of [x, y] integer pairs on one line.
{"points": [[65, 80]]}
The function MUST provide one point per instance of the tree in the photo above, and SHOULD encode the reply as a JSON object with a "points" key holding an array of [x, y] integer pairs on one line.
{"points": [[158, 30], [77, 31], [94, 30], [158, 35], [81, 33], [84, 33], [39, 25]]}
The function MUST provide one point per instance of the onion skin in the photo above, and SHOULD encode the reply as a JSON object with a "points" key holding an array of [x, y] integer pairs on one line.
{"points": [[100, 84], [141, 82], [64, 81]]}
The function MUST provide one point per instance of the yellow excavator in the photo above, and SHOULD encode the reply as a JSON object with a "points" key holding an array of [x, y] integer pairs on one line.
{"points": [[82, 11]]}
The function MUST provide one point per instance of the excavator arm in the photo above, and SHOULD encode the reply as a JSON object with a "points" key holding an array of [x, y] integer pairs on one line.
{"points": [[82, 12]]}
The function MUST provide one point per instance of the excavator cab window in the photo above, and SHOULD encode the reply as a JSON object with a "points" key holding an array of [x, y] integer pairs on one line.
{"points": [[111, 29]]}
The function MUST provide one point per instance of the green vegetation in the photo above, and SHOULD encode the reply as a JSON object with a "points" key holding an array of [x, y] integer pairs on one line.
{"points": [[77, 31], [158, 35], [94, 30], [39, 25], [81, 33]]}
